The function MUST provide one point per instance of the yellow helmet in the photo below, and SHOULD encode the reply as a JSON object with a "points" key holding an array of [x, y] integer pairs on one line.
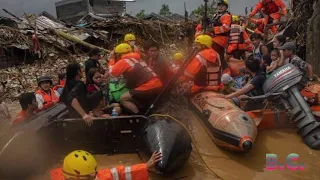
{"points": [[204, 40], [79, 164], [235, 18], [224, 2], [178, 56], [123, 48], [129, 37]]}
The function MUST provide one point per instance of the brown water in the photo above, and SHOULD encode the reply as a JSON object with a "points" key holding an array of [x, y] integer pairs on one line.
{"points": [[227, 165]]}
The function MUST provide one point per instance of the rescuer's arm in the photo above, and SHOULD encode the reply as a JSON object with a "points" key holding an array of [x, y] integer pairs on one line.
{"points": [[258, 7], [226, 25], [245, 90], [282, 6]]}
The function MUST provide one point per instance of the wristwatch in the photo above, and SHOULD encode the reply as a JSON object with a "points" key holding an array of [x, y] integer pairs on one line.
{"points": [[311, 79]]}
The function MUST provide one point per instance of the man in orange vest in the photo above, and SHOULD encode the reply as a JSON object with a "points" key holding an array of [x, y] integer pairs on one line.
{"points": [[29, 106], [221, 28], [238, 44], [239, 41], [82, 165], [46, 96], [143, 83], [205, 68], [129, 39], [272, 9]]}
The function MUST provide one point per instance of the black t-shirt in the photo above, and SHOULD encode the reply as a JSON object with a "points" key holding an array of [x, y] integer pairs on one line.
{"points": [[78, 90], [257, 81], [90, 63]]}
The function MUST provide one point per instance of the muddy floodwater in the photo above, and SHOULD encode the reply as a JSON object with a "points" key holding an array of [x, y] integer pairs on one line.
{"points": [[227, 165]]}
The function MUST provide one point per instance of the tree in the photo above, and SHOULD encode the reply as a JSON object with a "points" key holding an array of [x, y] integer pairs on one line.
{"points": [[212, 9], [165, 10], [141, 14]]}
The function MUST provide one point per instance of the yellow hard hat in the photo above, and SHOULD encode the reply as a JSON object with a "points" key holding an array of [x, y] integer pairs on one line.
{"points": [[235, 18], [123, 49], [178, 56], [204, 40], [224, 2], [79, 164], [129, 37]]}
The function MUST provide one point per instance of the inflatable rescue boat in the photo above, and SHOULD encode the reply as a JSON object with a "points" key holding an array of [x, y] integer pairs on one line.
{"points": [[34, 146]]}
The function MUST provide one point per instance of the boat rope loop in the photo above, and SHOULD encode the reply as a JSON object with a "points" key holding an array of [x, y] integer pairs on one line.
{"points": [[192, 139]]}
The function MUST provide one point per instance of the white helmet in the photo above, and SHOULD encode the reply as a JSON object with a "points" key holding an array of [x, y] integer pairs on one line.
{"points": [[226, 78]]}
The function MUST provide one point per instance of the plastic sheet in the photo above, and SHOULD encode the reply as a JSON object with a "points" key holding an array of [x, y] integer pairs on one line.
{"points": [[172, 140]]}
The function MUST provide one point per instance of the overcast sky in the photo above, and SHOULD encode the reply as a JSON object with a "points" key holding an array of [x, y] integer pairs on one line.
{"points": [[36, 6]]}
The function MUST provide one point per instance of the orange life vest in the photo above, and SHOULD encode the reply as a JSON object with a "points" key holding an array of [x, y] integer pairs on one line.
{"points": [[270, 7], [46, 97], [236, 34], [135, 172]]}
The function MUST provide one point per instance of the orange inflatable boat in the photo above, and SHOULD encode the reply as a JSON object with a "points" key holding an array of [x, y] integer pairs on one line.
{"points": [[229, 126]]}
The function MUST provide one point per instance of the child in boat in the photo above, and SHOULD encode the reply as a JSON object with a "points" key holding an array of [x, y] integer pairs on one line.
{"points": [[254, 86], [82, 165], [178, 60], [98, 106], [29, 105], [94, 84], [275, 55], [228, 84]]}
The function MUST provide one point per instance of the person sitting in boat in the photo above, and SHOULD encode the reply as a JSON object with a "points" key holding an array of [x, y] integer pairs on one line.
{"points": [[62, 81], [143, 83], [260, 49], [29, 105], [178, 60], [228, 84], [205, 68], [82, 165], [46, 96], [289, 52], [157, 63], [93, 61], [129, 39], [74, 94], [254, 86], [95, 84], [275, 55], [98, 106]]}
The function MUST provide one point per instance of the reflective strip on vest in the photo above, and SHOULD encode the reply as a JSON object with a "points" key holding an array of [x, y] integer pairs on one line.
{"points": [[221, 29], [127, 171], [133, 61], [114, 173], [212, 72], [188, 74]]}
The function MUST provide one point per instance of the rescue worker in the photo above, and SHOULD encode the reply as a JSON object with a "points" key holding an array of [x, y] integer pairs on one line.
{"points": [[205, 68], [157, 63], [82, 165], [129, 39], [93, 61], [261, 25], [238, 43], [29, 105], [271, 8], [199, 30], [221, 28], [178, 60], [143, 83], [45, 95]]}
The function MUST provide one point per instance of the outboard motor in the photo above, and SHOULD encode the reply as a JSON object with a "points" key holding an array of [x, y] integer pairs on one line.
{"points": [[285, 81]]}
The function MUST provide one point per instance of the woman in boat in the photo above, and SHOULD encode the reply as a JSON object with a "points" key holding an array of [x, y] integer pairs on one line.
{"points": [[82, 165], [94, 84], [99, 108], [74, 94]]}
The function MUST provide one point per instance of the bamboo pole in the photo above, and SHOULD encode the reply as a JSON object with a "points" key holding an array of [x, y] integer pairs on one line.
{"points": [[77, 40]]}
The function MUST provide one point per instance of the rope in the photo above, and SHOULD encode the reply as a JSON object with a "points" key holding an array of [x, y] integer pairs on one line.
{"points": [[191, 137]]}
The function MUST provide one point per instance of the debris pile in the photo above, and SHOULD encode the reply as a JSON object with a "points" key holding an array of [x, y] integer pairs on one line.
{"points": [[60, 43]]}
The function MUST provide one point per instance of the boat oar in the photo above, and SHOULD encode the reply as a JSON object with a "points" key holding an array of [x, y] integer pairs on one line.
{"points": [[173, 80]]}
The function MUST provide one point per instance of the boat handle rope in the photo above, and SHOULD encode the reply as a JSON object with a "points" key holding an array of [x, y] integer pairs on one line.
{"points": [[191, 137]]}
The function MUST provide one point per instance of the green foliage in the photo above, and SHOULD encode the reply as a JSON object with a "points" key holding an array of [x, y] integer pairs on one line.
{"points": [[141, 14], [165, 10]]}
